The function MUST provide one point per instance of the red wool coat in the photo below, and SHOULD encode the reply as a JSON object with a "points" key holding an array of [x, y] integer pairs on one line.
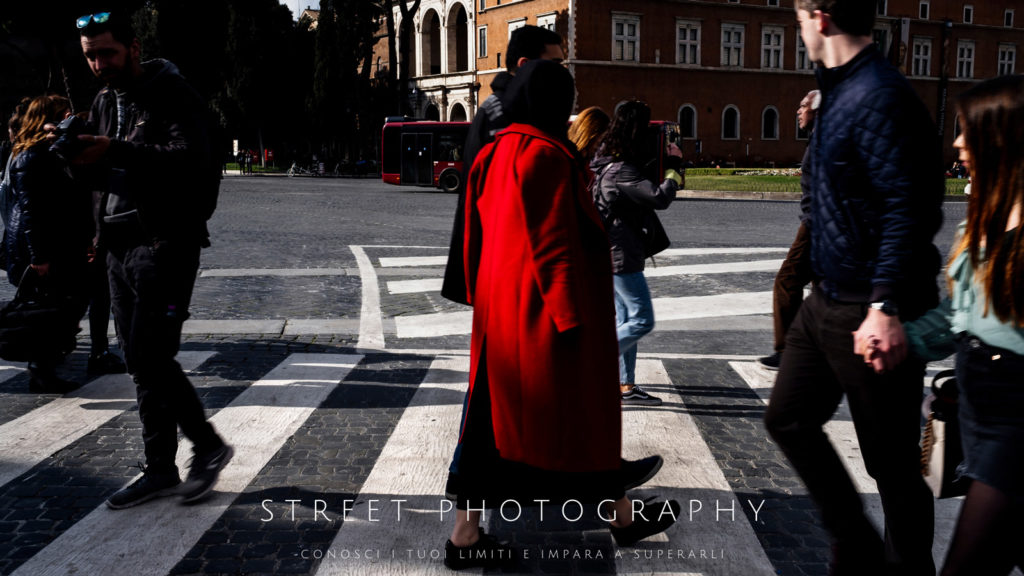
{"points": [[539, 277]]}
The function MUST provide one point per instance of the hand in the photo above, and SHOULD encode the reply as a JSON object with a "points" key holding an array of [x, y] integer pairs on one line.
{"points": [[51, 132], [673, 150], [96, 148], [881, 341], [41, 269]]}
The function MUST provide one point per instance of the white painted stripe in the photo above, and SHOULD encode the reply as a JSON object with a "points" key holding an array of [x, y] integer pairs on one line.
{"points": [[232, 327], [312, 326], [413, 286], [690, 475], [371, 325], [721, 250], [716, 268], [412, 466], [735, 304], [256, 423], [10, 370], [844, 438], [287, 272], [30, 439], [432, 325], [413, 261]]}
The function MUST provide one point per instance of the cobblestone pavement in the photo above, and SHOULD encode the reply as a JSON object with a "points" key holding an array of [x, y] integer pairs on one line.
{"points": [[322, 351]]}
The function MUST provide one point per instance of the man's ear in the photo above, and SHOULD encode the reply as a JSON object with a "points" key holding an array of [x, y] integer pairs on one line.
{"points": [[522, 60], [824, 21]]}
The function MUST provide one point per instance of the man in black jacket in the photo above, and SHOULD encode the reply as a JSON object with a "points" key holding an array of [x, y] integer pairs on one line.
{"points": [[876, 194], [153, 149], [526, 43]]}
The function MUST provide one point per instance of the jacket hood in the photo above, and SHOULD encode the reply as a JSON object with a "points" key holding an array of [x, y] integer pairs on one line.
{"points": [[501, 82], [157, 70], [600, 162]]}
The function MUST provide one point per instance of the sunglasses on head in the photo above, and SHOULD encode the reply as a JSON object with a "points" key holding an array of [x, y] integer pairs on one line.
{"points": [[97, 18]]}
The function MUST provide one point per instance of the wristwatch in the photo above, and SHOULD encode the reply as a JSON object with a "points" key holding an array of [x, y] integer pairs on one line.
{"points": [[888, 307]]}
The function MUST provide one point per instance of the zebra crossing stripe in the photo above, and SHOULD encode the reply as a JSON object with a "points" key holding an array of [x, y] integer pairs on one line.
{"points": [[371, 323], [723, 250], [412, 467], [844, 438], [10, 371], [715, 268], [415, 286], [413, 261], [30, 439], [712, 536], [256, 423], [716, 306]]}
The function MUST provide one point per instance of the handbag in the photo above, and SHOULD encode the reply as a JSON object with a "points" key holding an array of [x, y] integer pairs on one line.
{"points": [[655, 239], [36, 323], [941, 450]]}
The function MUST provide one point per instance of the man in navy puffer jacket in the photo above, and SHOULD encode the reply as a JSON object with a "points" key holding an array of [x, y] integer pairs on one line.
{"points": [[875, 207]]}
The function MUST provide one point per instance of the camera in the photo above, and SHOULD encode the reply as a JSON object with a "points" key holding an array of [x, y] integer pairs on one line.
{"points": [[67, 145], [661, 135]]}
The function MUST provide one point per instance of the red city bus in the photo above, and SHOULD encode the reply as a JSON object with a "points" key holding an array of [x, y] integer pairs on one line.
{"points": [[422, 153]]}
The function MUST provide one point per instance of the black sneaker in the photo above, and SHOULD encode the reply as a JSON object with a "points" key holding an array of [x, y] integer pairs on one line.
{"points": [[638, 472], [203, 473], [486, 552], [637, 396], [105, 363], [641, 528], [771, 362], [146, 488]]}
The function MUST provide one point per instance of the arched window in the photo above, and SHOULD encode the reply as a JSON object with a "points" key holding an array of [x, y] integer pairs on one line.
{"points": [[431, 44], [688, 121], [457, 113], [730, 123], [431, 113], [770, 123], [458, 39]]}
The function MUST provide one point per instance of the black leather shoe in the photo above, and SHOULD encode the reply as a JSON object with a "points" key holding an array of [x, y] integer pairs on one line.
{"points": [[486, 552], [638, 472], [656, 523], [105, 363], [46, 381], [771, 362], [146, 488]]}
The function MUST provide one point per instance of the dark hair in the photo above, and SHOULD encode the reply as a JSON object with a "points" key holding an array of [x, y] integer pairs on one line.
{"points": [[119, 26], [992, 121], [541, 95], [855, 17], [529, 42], [625, 137]]}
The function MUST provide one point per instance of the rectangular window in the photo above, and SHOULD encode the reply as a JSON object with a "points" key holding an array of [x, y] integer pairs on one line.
{"points": [[773, 3], [1008, 18], [625, 38], [481, 42], [1007, 59], [687, 42], [483, 4], [968, 14], [883, 6], [922, 65], [965, 59], [923, 11], [734, 1], [546, 21], [732, 45], [515, 25], [771, 47], [881, 38], [803, 63]]}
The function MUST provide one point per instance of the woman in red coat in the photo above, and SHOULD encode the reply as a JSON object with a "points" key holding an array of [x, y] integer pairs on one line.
{"points": [[544, 415]]}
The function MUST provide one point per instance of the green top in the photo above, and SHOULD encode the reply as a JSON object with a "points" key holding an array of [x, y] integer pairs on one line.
{"points": [[931, 336]]}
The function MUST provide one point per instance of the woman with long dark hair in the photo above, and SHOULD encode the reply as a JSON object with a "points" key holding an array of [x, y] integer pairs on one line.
{"points": [[50, 227], [626, 198], [983, 320]]}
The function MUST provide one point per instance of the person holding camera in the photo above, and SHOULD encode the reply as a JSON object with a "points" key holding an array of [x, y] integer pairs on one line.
{"points": [[152, 147], [626, 199], [49, 229]]}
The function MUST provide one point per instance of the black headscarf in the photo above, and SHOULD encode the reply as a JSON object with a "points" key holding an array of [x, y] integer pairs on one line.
{"points": [[541, 95]]}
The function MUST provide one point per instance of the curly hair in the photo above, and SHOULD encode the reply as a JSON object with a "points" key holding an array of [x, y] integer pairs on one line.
{"points": [[39, 112], [588, 129], [625, 137]]}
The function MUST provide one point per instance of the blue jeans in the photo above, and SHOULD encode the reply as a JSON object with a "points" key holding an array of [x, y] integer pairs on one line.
{"points": [[634, 318]]}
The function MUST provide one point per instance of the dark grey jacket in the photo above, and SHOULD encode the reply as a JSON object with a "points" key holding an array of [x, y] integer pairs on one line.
{"points": [[623, 197]]}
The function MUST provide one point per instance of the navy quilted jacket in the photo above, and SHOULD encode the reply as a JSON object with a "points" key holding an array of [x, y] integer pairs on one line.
{"points": [[877, 188]]}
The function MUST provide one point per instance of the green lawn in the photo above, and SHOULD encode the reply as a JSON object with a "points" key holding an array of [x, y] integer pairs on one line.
{"points": [[731, 182]]}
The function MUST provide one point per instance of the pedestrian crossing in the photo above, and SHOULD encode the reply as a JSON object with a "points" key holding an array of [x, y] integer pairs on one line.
{"points": [[395, 519]]}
